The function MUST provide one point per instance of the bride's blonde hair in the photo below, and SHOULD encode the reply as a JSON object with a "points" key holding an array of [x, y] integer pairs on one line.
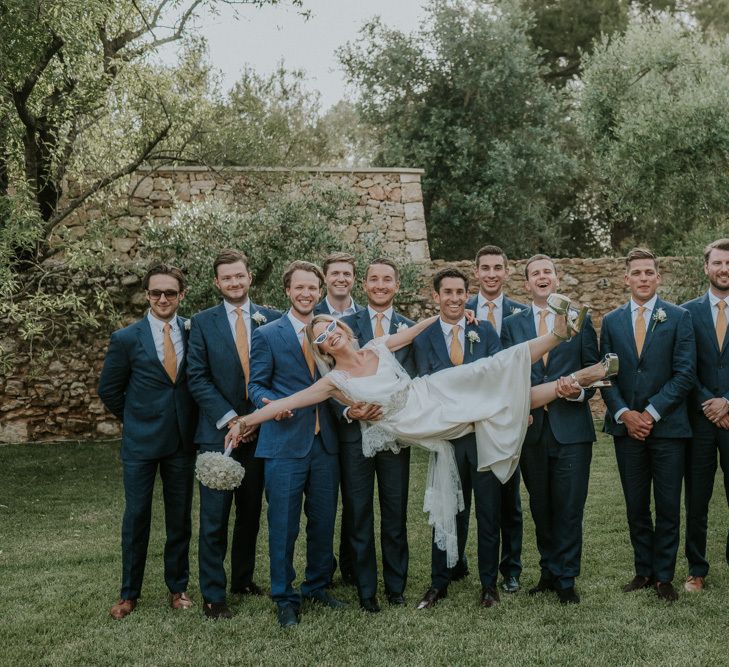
{"points": [[326, 359]]}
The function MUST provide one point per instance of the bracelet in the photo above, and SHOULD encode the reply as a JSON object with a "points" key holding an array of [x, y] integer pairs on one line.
{"points": [[558, 337]]}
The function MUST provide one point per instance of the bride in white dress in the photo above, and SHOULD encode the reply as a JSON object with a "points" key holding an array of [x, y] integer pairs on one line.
{"points": [[491, 396]]}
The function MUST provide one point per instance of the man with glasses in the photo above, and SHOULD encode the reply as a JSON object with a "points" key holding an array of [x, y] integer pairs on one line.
{"points": [[219, 370], [143, 383]]}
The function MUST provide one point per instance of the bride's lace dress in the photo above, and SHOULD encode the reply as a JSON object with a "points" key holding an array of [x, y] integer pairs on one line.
{"points": [[489, 396]]}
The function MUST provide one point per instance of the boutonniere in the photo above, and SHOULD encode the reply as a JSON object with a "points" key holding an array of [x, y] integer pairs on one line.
{"points": [[188, 325], [472, 337], [401, 326], [659, 316], [515, 310], [259, 318]]}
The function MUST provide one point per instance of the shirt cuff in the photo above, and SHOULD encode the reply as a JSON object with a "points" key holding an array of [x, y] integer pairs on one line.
{"points": [[653, 413], [345, 414], [619, 413], [578, 399], [223, 421]]}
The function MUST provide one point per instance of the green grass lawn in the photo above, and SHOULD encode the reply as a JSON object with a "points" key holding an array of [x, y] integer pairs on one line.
{"points": [[60, 514]]}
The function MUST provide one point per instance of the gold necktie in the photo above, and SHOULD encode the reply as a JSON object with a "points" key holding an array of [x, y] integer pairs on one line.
{"points": [[170, 356], [490, 317], [543, 331], [640, 330], [456, 349], [721, 323], [379, 331], [309, 356], [241, 344]]}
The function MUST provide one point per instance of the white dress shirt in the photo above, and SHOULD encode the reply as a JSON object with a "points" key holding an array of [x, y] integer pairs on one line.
{"points": [[386, 318], [448, 333], [349, 310], [158, 335], [482, 310], [713, 300]]}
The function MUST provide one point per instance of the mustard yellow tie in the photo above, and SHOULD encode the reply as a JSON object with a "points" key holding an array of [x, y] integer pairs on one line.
{"points": [[170, 356], [640, 330], [309, 356], [543, 331], [379, 331], [490, 317], [456, 349], [721, 323], [241, 344]]}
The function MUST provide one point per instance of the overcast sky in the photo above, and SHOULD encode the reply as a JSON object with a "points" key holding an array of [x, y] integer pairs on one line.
{"points": [[262, 37]]}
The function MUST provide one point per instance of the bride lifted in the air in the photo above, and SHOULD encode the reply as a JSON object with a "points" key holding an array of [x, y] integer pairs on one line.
{"points": [[491, 396]]}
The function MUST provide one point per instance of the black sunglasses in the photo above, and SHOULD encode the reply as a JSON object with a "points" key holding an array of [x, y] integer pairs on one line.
{"points": [[170, 294]]}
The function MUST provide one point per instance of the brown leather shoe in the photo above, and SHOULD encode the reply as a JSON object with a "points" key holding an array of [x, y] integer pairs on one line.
{"points": [[666, 591], [180, 600], [431, 597], [694, 584], [637, 583], [122, 609]]}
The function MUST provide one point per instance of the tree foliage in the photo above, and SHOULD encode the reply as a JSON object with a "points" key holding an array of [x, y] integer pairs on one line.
{"points": [[652, 108], [463, 97]]}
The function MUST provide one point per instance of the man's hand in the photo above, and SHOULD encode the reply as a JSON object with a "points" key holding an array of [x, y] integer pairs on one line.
{"points": [[723, 422], [715, 409], [250, 434], [639, 426], [568, 388], [365, 412], [284, 414]]}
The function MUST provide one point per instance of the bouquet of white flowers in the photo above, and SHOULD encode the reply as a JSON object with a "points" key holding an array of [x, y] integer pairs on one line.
{"points": [[219, 471]]}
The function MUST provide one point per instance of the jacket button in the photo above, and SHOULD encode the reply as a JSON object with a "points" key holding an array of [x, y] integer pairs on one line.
{"points": [[640, 371]]}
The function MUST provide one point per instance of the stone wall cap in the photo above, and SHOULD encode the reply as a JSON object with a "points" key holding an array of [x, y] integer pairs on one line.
{"points": [[310, 170]]}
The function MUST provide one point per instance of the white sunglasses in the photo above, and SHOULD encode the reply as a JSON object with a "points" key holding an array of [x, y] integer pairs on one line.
{"points": [[326, 333]]}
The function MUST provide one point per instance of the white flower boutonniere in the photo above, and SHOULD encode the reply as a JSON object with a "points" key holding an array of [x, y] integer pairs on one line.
{"points": [[515, 310], [188, 325], [401, 326], [259, 318], [658, 316], [472, 337]]}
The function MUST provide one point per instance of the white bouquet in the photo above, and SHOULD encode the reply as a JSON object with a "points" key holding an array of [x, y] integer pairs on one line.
{"points": [[219, 471]]}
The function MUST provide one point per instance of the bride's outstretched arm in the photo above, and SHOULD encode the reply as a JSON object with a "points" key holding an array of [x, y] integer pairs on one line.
{"points": [[406, 336], [320, 391]]}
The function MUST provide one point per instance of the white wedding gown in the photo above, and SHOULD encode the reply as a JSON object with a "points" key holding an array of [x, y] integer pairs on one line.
{"points": [[489, 396]]}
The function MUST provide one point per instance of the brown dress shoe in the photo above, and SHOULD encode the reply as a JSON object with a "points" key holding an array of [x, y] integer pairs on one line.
{"points": [[694, 584], [122, 609], [180, 600], [431, 597], [666, 591], [637, 583]]}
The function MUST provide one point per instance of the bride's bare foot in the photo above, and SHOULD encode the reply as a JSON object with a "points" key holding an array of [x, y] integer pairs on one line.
{"points": [[597, 375]]}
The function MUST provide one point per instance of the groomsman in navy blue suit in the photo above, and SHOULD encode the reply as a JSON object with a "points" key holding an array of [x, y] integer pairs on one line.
{"points": [[449, 342], [300, 449], [143, 383], [557, 450], [648, 418], [340, 270], [218, 374], [492, 305], [381, 283], [708, 409]]}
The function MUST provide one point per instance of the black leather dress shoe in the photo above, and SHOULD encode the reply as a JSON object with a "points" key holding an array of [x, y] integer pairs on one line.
{"points": [[396, 599], [510, 584], [489, 597], [666, 591], [638, 583], [250, 589], [370, 605], [321, 596], [287, 616], [215, 611], [568, 595], [543, 585], [431, 598]]}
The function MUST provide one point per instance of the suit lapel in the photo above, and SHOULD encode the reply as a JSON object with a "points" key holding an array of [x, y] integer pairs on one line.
{"points": [[365, 326], [144, 331], [626, 321], [704, 314], [437, 341], [185, 334], [220, 317], [468, 355], [291, 341], [650, 329]]}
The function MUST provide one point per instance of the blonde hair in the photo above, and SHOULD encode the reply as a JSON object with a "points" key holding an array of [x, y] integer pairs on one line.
{"points": [[326, 359]]}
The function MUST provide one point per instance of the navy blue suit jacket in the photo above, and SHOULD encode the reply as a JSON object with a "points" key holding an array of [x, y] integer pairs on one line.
{"points": [[278, 369], [663, 375], [361, 326], [510, 307], [215, 375], [157, 414], [570, 421], [712, 364]]}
